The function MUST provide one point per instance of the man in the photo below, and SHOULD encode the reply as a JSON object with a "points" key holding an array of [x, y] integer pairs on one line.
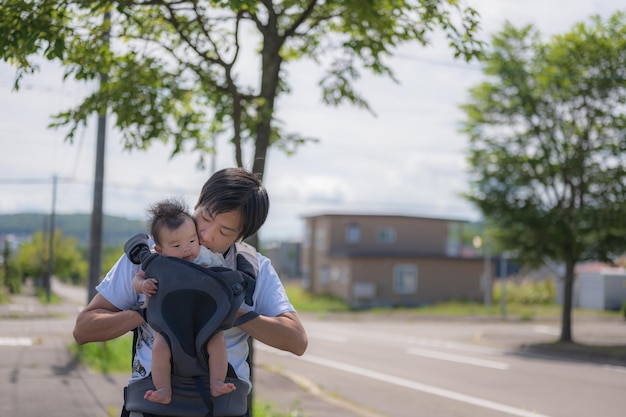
{"points": [[233, 205]]}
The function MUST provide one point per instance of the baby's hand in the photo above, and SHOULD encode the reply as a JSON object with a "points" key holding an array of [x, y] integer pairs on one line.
{"points": [[149, 287]]}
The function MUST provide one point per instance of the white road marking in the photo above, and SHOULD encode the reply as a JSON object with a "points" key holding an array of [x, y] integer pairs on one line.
{"points": [[614, 368], [457, 358], [463, 347], [330, 337], [421, 341], [16, 341], [406, 383], [552, 331]]}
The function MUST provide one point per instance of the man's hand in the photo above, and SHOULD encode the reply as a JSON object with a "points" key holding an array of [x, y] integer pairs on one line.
{"points": [[284, 331]]}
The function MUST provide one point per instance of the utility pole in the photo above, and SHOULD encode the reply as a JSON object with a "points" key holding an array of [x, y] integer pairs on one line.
{"points": [[503, 278], [95, 237], [48, 276], [485, 280], [487, 276]]}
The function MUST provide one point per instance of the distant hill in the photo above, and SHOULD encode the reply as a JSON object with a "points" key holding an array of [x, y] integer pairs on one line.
{"points": [[115, 230]]}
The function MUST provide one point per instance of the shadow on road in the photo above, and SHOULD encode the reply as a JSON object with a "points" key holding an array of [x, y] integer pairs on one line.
{"points": [[575, 352]]}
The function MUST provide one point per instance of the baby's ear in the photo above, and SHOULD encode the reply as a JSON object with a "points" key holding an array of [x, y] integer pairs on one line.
{"points": [[157, 249]]}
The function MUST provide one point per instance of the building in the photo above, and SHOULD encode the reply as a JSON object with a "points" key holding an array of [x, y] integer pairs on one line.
{"points": [[597, 286], [285, 257], [388, 260]]}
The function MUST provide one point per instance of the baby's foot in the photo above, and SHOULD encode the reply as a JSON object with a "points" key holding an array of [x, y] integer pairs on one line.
{"points": [[220, 388], [161, 395]]}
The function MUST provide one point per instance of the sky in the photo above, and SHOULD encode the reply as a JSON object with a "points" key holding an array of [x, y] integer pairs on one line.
{"points": [[408, 159]]}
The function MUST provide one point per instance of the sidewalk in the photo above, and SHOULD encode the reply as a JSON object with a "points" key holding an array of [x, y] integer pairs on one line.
{"points": [[40, 377]]}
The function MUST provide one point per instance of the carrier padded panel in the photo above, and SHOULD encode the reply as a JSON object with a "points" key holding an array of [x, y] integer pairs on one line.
{"points": [[190, 305], [177, 318]]}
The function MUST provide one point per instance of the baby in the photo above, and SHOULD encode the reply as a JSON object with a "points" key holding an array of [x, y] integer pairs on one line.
{"points": [[174, 233]]}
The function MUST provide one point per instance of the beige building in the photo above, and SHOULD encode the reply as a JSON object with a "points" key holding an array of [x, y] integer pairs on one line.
{"points": [[386, 260]]}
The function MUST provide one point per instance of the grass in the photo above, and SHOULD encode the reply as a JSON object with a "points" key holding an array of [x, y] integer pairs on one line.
{"points": [[304, 301], [42, 296], [112, 356], [4, 295], [525, 300], [265, 409]]}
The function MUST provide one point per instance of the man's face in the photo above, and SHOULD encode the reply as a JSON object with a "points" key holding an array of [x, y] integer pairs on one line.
{"points": [[220, 231], [181, 242]]}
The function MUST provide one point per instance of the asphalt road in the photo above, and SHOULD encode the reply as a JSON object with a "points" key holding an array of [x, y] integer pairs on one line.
{"points": [[458, 368], [368, 367]]}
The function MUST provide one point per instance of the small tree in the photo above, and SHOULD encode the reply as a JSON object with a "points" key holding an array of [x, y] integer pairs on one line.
{"points": [[11, 276], [6, 254], [548, 145], [68, 263]]}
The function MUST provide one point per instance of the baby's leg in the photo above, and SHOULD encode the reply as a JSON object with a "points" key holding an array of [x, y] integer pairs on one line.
{"points": [[218, 365], [161, 370]]}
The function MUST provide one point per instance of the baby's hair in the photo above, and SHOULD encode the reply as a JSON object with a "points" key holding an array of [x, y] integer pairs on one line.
{"points": [[169, 213]]}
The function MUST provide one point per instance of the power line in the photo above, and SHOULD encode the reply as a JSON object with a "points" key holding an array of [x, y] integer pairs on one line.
{"points": [[453, 64], [22, 181]]}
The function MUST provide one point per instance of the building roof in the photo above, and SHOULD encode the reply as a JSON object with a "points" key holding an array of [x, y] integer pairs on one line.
{"points": [[381, 215]]}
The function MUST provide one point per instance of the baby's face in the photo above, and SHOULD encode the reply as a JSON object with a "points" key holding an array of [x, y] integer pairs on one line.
{"points": [[180, 243]]}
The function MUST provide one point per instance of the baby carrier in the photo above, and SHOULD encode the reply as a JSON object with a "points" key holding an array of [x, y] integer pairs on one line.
{"points": [[191, 304]]}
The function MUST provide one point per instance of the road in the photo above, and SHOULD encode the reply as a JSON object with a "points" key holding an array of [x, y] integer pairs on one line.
{"points": [[379, 366], [447, 369]]}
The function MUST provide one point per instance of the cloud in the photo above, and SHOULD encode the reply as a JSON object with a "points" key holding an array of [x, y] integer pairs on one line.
{"points": [[409, 159]]}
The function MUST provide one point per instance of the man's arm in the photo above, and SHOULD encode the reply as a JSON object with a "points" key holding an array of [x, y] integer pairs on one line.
{"points": [[284, 332], [101, 321]]}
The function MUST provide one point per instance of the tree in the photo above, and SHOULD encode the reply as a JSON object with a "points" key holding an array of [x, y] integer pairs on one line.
{"points": [[11, 276], [548, 145], [110, 255], [68, 263], [179, 71]]}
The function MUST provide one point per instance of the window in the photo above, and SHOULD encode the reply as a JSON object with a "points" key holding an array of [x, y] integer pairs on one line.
{"points": [[320, 238], [335, 273], [405, 279], [307, 235], [386, 235], [453, 244], [353, 233], [324, 275]]}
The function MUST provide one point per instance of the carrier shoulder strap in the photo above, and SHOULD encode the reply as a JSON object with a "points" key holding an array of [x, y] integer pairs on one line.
{"points": [[243, 258]]}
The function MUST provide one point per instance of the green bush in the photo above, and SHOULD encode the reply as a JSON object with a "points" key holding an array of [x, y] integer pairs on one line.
{"points": [[526, 292], [305, 301], [113, 356], [10, 274], [4, 295]]}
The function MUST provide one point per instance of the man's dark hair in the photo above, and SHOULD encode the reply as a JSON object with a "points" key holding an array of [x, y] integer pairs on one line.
{"points": [[169, 213], [236, 189]]}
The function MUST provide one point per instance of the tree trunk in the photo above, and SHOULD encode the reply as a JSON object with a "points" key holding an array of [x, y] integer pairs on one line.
{"points": [[568, 292], [271, 62]]}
